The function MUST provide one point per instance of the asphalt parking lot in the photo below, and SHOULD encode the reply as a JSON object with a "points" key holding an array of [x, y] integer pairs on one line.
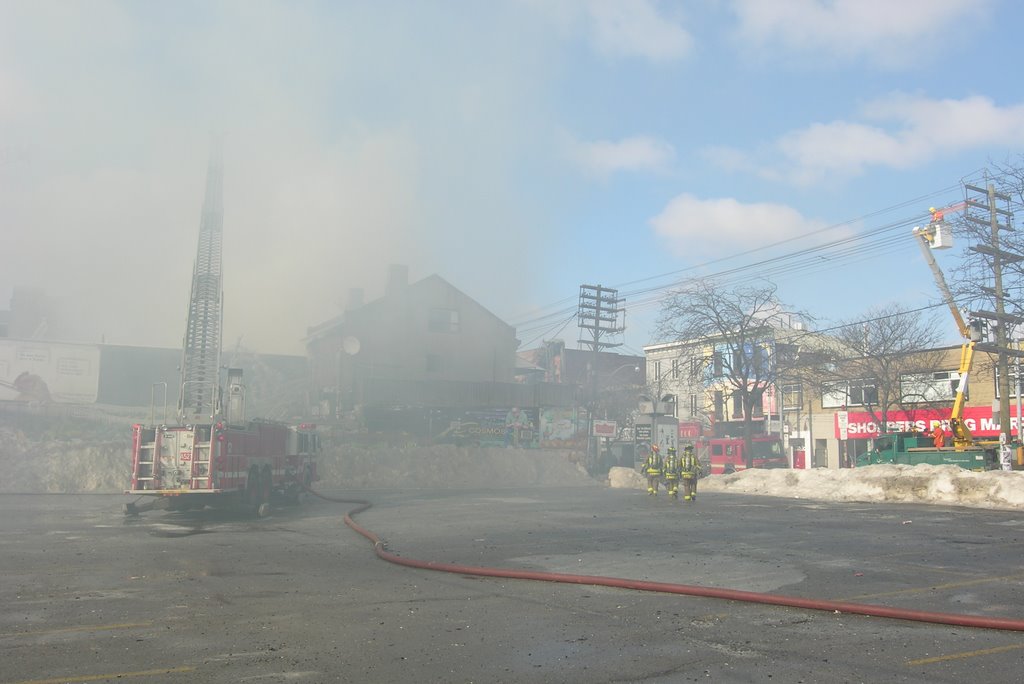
{"points": [[213, 596]]}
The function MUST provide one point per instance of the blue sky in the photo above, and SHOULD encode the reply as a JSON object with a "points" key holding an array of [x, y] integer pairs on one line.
{"points": [[517, 148]]}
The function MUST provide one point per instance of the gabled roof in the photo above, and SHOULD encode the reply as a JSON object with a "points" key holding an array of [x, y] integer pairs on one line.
{"points": [[325, 328]]}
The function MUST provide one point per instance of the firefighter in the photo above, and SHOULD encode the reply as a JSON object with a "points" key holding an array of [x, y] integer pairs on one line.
{"points": [[939, 436], [689, 471], [652, 470], [670, 472]]}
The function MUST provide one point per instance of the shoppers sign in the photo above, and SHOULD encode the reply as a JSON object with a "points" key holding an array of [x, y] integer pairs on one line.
{"points": [[863, 425]]}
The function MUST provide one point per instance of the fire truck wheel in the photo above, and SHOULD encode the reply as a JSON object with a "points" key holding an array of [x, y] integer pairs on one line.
{"points": [[266, 484], [253, 488]]}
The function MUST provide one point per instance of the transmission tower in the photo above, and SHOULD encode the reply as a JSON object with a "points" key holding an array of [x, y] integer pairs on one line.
{"points": [[200, 364]]}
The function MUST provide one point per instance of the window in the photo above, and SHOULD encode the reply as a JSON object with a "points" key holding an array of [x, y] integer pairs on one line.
{"points": [[693, 404], [716, 365], [854, 393], [675, 368], [792, 397], [1014, 369], [433, 363], [863, 394], [443, 321], [719, 405], [929, 387], [695, 366]]}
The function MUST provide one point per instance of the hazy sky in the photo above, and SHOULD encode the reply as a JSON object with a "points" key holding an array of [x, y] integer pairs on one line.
{"points": [[516, 148]]}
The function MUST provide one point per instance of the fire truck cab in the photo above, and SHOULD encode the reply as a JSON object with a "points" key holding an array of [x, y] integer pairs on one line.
{"points": [[727, 455]]}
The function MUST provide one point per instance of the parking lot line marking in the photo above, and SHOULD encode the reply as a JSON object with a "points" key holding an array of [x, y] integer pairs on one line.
{"points": [[84, 628], [966, 654], [932, 587], [114, 675]]}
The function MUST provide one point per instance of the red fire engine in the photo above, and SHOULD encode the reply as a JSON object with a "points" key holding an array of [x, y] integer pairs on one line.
{"points": [[213, 456], [728, 454], [191, 466]]}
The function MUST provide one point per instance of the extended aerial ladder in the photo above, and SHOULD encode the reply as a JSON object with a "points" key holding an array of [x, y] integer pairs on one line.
{"points": [[199, 394], [938, 235]]}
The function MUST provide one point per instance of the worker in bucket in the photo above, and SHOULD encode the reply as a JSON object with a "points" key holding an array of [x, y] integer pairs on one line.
{"points": [[689, 471], [937, 215], [670, 472], [652, 470]]}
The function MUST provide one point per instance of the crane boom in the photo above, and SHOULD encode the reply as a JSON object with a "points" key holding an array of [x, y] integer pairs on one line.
{"points": [[932, 237], [935, 236]]}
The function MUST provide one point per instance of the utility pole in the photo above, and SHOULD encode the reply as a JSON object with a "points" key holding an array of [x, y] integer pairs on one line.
{"points": [[985, 199], [600, 311]]}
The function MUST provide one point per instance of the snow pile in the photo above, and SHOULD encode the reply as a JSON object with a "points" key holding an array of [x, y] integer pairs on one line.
{"points": [[47, 464], [944, 484], [44, 456]]}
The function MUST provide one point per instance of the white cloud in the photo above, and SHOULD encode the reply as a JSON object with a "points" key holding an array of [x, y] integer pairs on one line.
{"points": [[898, 131], [691, 225], [638, 153], [637, 29], [882, 31]]}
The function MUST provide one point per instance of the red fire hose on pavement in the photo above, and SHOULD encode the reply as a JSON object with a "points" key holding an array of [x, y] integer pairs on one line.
{"points": [[380, 548]]}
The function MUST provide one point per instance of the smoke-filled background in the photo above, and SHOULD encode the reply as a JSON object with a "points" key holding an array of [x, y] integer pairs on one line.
{"points": [[517, 148], [353, 137]]}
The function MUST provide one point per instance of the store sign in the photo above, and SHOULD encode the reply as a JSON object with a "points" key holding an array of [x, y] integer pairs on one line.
{"points": [[604, 428], [643, 432], [978, 419]]}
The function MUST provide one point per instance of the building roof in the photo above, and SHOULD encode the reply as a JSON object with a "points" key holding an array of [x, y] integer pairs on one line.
{"points": [[328, 327]]}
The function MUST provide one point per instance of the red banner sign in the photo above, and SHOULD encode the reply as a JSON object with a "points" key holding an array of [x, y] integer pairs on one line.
{"points": [[978, 419]]}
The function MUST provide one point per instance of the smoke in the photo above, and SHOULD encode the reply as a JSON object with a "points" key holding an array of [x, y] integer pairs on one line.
{"points": [[354, 137]]}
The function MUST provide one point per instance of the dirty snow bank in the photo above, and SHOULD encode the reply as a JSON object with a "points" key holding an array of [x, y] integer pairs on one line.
{"points": [[946, 484], [38, 459]]}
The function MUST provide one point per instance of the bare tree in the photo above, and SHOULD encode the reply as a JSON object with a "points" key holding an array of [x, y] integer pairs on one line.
{"points": [[877, 352], [738, 327], [972, 277]]}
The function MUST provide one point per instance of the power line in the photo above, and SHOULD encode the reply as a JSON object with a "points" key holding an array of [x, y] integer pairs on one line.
{"points": [[675, 275]]}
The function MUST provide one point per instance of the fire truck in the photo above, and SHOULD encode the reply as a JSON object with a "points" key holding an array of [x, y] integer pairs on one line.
{"points": [[213, 455], [727, 455], [226, 462]]}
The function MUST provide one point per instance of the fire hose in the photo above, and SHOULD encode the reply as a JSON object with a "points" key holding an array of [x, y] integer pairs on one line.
{"points": [[960, 620]]}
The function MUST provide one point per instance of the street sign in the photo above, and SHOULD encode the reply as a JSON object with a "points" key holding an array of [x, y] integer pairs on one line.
{"points": [[843, 424]]}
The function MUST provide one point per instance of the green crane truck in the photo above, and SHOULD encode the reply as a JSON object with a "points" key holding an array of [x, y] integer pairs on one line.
{"points": [[912, 448]]}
